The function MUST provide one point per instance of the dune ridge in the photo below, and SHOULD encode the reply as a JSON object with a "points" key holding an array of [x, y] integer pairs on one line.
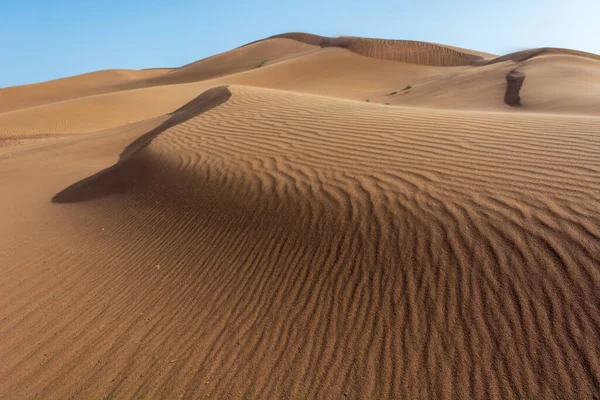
{"points": [[424, 53], [270, 243], [409, 51], [557, 83], [525, 55]]}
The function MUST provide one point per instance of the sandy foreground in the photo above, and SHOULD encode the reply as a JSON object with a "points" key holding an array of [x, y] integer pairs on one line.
{"points": [[355, 218]]}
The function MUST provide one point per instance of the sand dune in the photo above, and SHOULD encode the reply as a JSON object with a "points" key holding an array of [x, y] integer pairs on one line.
{"points": [[563, 84], [237, 60], [252, 234], [558, 81], [17, 97], [93, 113], [525, 55], [557, 84], [409, 51]]}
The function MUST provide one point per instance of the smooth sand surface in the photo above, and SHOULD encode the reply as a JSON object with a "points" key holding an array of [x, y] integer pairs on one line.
{"points": [[16, 97], [266, 232]]}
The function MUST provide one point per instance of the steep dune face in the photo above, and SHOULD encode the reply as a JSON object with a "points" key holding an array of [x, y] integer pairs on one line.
{"points": [[273, 243]]}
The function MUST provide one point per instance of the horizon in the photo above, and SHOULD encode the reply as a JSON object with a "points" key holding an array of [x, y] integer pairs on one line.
{"points": [[71, 39]]}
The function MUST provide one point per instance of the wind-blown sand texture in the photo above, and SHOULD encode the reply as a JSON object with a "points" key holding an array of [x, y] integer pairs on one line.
{"points": [[265, 232]]}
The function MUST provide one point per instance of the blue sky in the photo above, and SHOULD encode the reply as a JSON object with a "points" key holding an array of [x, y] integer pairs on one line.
{"points": [[48, 39]]}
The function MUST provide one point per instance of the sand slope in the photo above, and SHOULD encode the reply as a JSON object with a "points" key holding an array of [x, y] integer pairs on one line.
{"points": [[557, 81], [554, 84], [16, 97], [409, 51], [93, 113], [233, 61], [243, 241]]}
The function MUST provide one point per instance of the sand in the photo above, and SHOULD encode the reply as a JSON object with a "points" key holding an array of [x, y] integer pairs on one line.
{"points": [[266, 232]]}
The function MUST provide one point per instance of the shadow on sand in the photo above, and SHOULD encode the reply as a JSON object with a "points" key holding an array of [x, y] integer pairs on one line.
{"points": [[105, 183]]}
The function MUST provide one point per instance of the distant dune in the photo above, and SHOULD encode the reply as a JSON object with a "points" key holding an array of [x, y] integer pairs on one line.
{"points": [[16, 97], [408, 51], [305, 217]]}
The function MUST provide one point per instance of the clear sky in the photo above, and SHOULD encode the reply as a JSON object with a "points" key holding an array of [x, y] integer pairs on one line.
{"points": [[48, 39]]}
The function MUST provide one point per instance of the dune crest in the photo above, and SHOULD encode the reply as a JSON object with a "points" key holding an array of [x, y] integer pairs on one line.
{"points": [[409, 51], [105, 182]]}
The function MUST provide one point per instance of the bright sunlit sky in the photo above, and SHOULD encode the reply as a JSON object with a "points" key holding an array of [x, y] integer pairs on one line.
{"points": [[48, 39]]}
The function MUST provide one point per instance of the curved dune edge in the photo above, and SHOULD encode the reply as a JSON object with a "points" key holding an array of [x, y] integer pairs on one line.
{"points": [[409, 51], [524, 55], [103, 184], [269, 243], [234, 61], [424, 53]]}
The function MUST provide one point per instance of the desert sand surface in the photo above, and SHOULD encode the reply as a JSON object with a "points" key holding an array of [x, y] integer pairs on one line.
{"points": [[354, 218]]}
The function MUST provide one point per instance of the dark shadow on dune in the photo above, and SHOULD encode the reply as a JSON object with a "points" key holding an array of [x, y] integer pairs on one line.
{"points": [[106, 182]]}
